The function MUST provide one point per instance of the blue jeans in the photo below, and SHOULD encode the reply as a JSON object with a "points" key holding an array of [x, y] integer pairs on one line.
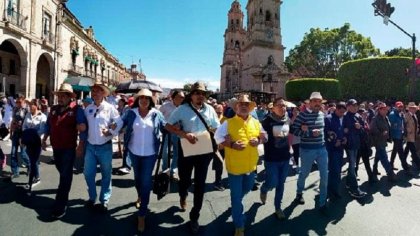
{"points": [[383, 157], [335, 163], [351, 179], [102, 155], [307, 158], [14, 162], [143, 168], [174, 159], [275, 176], [64, 160], [239, 186]]}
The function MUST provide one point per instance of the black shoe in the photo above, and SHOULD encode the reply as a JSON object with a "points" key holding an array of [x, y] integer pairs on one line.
{"points": [[58, 213], [101, 208], [194, 226], [357, 194], [299, 199], [218, 187], [89, 204]]}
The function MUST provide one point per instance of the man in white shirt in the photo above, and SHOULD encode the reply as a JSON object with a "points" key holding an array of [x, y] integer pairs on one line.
{"points": [[104, 122], [177, 97]]}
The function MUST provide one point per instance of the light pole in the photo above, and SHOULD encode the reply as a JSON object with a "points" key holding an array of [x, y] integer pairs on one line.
{"points": [[384, 9]]}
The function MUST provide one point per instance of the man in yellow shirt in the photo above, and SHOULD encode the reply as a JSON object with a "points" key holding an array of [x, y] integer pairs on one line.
{"points": [[240, 135]]}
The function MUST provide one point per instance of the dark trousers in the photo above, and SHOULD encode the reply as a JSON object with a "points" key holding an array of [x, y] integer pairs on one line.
{"points": [[335, 163], [186, 165], [218, 167], [411, 147], [398, 148], [64, 160], [364, 153], [296, 153], [33, 153]]}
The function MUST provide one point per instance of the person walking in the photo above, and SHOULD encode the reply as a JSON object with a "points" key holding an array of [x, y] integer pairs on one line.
{"points": [[144, 125], [353, 129], [104, 122], [189, 120], [240, 136], [335, 142], [64, 123], [35, 120], [309, 125], [177, 97], [276, 154], [379, 130], [411, 122]]}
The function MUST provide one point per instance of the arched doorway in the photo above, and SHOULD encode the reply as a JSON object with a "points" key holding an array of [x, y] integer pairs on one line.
{"points": [[11, 73], [44, 77]]}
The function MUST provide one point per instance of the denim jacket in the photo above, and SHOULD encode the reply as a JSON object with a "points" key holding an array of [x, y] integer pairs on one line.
{"points": [[158, 124]]}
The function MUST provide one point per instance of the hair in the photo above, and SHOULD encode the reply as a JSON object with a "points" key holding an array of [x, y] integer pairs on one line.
{"points": [[136, 103], [35, 102], [175, 92]]}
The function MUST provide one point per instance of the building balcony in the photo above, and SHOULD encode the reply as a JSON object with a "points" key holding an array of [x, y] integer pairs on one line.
{"points": [[16, 19], [48, 38], [75, 69]]}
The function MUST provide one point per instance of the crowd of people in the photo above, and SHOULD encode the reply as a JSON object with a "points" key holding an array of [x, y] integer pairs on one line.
{"points": [[197, 131]]}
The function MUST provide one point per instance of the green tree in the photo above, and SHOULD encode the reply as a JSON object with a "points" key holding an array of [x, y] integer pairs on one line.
{"points": [[401, 52], [322, 52]]}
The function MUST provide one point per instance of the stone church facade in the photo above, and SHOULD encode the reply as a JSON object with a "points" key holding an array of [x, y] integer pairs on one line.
{"points": [[253, 58]]}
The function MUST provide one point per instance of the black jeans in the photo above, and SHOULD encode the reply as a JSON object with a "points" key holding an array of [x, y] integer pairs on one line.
{"points": [[64, 160], [364, 153], [398, 148], [186, 165], [218, 167], [33, 153], [296, 153]]}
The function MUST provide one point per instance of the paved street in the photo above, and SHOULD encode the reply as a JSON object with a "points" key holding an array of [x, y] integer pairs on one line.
{"points": [[389, 209]]}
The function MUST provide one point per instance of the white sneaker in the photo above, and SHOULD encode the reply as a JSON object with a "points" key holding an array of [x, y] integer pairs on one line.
{"points": [[36, 182]]}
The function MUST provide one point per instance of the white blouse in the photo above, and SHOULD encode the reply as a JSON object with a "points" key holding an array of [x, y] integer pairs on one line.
{"points": [[142, 139]]}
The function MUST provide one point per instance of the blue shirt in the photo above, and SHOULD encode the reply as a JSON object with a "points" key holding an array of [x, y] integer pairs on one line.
{"points": [[190, 122]]}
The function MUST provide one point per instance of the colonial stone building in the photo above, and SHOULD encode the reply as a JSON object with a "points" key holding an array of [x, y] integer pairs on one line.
{"points": [[42, 43], [253, 58]]}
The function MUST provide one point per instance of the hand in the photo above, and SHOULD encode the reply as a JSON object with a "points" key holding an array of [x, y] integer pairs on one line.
{"points": [[81, 127], [316, 132], [113, 126], [262, 137], [385, 133], [191, 138], [238, 145], [254, 142], [357, 125], [304, 128], [106, 132], [228, 139]]}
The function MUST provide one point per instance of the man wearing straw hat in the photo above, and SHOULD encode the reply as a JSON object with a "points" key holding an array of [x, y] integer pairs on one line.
{"points": [[104, 122], [240, 136], [411, 122], [64, 123], [309, 125], [188, 121]]}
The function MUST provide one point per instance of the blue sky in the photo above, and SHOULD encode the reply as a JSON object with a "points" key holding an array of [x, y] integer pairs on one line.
{"points": [[182, 41]]}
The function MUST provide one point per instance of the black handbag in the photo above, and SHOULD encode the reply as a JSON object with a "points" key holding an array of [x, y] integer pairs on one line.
{"points": [[213, 141], [161, 180]]}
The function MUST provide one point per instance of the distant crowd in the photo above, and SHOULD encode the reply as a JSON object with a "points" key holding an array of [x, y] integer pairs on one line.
{"points": [[189, 131]]}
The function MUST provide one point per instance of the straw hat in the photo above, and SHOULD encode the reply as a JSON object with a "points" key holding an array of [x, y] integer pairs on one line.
{"points": [[315, 95], [144, 92], [198, 86], [412, 105], [245, 98], [65, 88], [98, 83]]}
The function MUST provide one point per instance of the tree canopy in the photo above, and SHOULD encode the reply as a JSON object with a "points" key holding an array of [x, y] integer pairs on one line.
{"points": [[322, 52], [401, 52]]}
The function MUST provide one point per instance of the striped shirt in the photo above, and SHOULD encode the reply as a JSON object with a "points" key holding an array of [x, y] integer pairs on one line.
{"points": [[314, 121]]}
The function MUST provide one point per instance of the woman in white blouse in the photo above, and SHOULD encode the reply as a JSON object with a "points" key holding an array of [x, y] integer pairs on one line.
{"points": [[33, 128], [142, 140]]}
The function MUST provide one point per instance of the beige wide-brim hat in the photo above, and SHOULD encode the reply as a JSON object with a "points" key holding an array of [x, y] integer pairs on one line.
{"points": [[65, 88], [103, 86], [245, 98], [144, 92], [198, 86], [412, 105], [315, 95]]}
